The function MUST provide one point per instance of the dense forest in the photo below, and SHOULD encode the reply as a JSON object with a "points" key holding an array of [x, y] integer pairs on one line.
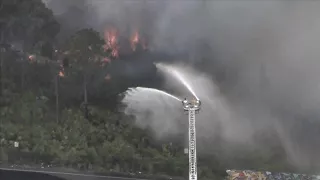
{"points": [[60, 100]]}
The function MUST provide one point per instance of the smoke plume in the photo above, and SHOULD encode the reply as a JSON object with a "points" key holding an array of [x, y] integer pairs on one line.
{"points": [[262, 54]]}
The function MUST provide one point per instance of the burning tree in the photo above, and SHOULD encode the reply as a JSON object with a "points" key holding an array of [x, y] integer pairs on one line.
{"points": [[118, 45], [111, 42]]}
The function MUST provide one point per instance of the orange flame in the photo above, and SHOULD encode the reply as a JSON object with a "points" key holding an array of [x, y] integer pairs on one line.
{"points": [[61, 73], [32, 58], [111, 39], [111, 36], [135, 38]]}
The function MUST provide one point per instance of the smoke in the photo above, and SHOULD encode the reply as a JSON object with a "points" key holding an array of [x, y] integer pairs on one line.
{"points": [[154, 110], [267, 52], [216, 112]]}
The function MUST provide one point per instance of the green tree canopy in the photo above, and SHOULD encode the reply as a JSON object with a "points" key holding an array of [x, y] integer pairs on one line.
{"points": [[27, 22]]}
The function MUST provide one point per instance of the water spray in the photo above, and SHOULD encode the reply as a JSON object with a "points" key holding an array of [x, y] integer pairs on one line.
{"points": [[175, 73], [152, 90], [192, 108], [155, 109]]}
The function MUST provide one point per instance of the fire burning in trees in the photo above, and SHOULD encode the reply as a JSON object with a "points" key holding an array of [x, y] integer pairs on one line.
{"points": [[111, 37], [137, 40], [134, 40], [32, 58], [61, 72]]}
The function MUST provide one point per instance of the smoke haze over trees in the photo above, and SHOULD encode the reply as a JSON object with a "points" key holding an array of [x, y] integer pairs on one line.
{"points": [[262, 54], [259, 61]]}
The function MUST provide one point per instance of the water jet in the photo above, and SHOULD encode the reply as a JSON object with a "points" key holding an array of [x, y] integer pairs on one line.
{"points": [[176, 74]]}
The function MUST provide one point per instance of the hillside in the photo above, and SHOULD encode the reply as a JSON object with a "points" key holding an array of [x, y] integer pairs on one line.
{"points": [[61, 102]]}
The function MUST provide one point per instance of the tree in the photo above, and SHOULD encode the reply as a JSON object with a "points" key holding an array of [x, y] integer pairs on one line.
{"points": [[24, 26], [28, 22], [85, 52]]}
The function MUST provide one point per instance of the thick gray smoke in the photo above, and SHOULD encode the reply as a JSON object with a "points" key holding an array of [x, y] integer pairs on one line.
{"points": [[267, 50]]}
